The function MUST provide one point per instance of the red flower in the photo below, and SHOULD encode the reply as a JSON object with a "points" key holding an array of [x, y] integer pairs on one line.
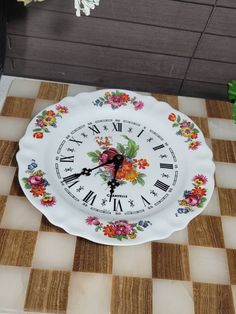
{"points": [[172, 117], [194, 135], [50, 113], [38, 190], [142, 163], [109, 231], [192, 200], [38, 135], [125, 97], [199, 191], [108, 154]]}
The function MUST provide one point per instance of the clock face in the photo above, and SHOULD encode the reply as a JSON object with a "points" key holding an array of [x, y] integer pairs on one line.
{"points": [[145, 180]]}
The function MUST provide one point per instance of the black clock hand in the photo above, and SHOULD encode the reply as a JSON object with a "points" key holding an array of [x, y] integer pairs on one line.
{"points": [[118, 159]]}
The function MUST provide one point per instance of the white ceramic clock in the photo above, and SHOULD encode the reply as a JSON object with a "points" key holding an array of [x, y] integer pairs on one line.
{"points": [[116, 167]]}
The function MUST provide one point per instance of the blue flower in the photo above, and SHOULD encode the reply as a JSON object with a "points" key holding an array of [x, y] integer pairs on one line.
{"points": [[180, 210], [186, 192], [141, 223], [32, 166], [185, 210], [45, 182]]}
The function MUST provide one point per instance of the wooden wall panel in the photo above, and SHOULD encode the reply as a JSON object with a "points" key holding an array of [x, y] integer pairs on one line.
{"points": [[227, 3], [223, 22]]}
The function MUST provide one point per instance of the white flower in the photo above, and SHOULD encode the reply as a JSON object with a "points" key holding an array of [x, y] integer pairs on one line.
{"points": [[28, 1], [85, 6]]}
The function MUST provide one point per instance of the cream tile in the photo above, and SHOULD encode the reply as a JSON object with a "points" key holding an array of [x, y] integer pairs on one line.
{"points": [[41, 104], [8, 132], [13, 287], [192, 106], [20, 214], [132, 260], [24, 88], [54, 251], [172, 297], [229, 227], [178, 237], [234, 294], [144, 93], [6, 178], [225, 175], [208, 141], [208, 265], [222, 129], [5, 83], [75, 89], [213, 207], [89, 294]]}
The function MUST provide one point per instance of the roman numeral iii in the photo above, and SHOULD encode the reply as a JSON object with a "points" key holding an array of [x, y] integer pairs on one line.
{"points": [[161, 185], [90, 197]]}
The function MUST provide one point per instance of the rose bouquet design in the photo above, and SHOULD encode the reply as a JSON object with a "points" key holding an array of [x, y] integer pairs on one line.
{"points": [[131, 166]]}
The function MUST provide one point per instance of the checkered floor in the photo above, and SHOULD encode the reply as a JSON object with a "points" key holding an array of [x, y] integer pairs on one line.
{"points": [[45, 270]]}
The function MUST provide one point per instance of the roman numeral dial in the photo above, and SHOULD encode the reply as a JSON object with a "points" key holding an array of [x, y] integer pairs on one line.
{"points": [[161, 185], [90, 198], [166, 166]]}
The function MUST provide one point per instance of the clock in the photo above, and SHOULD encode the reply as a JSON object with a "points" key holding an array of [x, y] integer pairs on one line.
{"points": [[116, 167]]}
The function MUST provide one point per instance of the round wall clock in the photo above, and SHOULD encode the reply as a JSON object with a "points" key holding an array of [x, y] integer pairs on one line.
{"points": [[116, 167]]}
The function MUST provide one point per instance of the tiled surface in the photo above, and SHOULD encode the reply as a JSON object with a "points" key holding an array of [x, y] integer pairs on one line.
{"points": [[48, 271]]}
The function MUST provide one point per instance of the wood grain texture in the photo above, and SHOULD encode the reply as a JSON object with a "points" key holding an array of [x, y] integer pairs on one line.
{"points": [[223, 51], [227, 3], [212, 299], [204, 90], [48, 227], [104, 32], [15, 187], [171, 100], [223, 22], [206, 231], [170, 261], [219, 109], [52, 91], [224, 151], [168, 13], [131, 295], [101, 261], [3, 200], [47, 291], [110, 59], [94, 77], [202, 123], [17, 247], [8, 151], [231, 256], [227, 199], [18, 107]]}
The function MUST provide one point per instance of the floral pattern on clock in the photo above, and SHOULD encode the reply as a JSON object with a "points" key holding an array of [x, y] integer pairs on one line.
{"points": [[194, 198], [120, 229], [131, 169], [37, 184], [48, 118], [118, 99], [187, 129]]}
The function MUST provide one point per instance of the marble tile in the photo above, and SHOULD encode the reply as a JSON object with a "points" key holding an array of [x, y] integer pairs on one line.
{"points": [[132, 260], [192, 106], [213, 207], [18, 107], [170, 99], [225, 175], [208, 265], [178, 237], [13, 287], [54, 251], [75, 89], [20, 214], [229, 227], [24, 88], [227, 199], [172, 297], [89, 293], [41, 104], [52, 91], [233, 287], [7, 132], [5, 83], [222, 129], [6, 178]]}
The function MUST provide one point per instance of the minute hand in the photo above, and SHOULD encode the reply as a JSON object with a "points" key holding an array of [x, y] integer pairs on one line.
{"points": [[87, 171]]}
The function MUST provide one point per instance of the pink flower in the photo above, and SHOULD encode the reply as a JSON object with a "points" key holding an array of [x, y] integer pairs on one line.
{"points": [[48, 200], [192, 200], [91, 220], [35, 181], [200, 179], [62, 109], [138, 105], [39, 123], [184, 124], [115, 101], [107, 155], [122, 227]]}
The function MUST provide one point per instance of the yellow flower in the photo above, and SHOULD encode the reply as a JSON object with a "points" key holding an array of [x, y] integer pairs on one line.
{"points": [[107, 94], [187, 132], [48, 120], [183, 203], [131, 176], [132, 235]]}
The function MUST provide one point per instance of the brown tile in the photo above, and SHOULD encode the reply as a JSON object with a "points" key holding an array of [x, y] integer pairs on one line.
{"points": [[101, 261], [212, 299], [52, 91], [227, 199], [171, 100], [18, 107], [15, 187], [8, 151], [47, 291], [3, 200], [170, 261], [224, 151], [202, 123], [206, 231], [219, 109], [131, 295], [47, 226], [231, 255], [17, 247]]}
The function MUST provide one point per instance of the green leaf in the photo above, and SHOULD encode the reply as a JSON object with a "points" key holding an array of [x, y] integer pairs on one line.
{"points": [[134, 182], [132, 149], [195, 130], [203, 199], [140, 180], [192, 126], [40, 117], [44, 112], [142, 175], [232, 90], [174, 125], [121, 148], [27, 186], [178, 119], [24, 179], [46, 130], [139, 228], [234, 112], [93, 154], [37, 130], [95, 159]]}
